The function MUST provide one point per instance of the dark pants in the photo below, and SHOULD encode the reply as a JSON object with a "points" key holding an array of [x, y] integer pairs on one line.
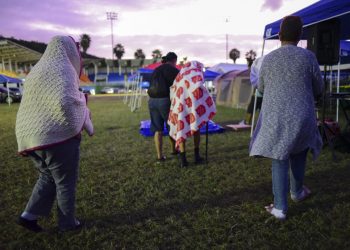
{"points": [[58, 166], [159, 111], [250, 108]]}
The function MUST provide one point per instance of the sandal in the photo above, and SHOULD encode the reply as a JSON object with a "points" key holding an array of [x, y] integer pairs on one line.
{"points": [[277, 213], [305, 193]]}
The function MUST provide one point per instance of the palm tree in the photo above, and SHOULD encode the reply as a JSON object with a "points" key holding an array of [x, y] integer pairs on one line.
{"points": [[140, 55], [250, 57], [119, 51], [234, 54], [85, 42], [184, 61], [156, 54]]}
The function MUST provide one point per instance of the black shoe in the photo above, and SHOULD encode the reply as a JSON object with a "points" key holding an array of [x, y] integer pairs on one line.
{"points": [[31, 225], [175, 153], [182, 160], [197, 158]]}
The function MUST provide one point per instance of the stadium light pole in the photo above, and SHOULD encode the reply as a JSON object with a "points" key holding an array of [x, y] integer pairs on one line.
{"points": [[226, 21], [112, 16]]}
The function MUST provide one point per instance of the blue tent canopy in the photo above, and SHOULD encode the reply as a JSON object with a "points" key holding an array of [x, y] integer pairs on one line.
{"points": [[5, 79], [146, 74], [344, 48], [320, 11], [210, 75]]}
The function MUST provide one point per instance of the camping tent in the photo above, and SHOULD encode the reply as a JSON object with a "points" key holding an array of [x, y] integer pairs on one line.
{"points": [[233, 89], [222, 68]]}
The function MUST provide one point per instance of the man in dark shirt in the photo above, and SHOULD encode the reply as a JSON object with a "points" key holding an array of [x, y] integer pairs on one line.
{"points": [[159, 103]]}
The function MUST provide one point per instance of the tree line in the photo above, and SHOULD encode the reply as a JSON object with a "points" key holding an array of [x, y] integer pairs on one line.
{"points": [[250, 56], [118, 49], [119, 52]]}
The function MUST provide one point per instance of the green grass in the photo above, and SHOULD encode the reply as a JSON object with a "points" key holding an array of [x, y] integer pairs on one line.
{"points": [[129, 202]]}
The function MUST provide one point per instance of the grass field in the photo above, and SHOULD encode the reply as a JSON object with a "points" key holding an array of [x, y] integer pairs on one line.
{"points": [[129, 202]]}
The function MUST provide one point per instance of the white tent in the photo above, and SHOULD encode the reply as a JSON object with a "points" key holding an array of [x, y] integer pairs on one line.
{"points": [[226, 67]]}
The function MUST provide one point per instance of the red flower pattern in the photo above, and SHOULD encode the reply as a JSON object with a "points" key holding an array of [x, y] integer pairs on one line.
{"points": [[179, 92], [180, 108], [202, 124], [198, 93], [178, 77], [211, 115], [199, 105], [200, 110], [188, 102], [197, 78], [190, 118], [209, 101], [187, 83], [180, 125]]}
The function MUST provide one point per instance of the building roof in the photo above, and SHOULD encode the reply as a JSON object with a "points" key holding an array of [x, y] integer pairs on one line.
{"points": [[15, 52], [26, 51]]}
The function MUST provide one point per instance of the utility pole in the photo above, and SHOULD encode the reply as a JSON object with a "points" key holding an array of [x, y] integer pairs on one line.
{"points": [[112, 16], [226, 21]]}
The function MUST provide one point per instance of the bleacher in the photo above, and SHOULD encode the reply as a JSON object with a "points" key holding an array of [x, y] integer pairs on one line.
{"points": [[111, 78], [9, 73]]}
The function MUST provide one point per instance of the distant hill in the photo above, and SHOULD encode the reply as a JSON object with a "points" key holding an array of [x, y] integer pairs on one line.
{"points": [[40, 47]]}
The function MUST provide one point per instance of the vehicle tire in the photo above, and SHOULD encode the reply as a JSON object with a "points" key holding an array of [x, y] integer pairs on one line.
{"points": [[9, 100]]}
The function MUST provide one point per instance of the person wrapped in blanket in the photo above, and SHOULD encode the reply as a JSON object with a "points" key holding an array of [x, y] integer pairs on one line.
{"points": [[191, 108], [50, 120]]}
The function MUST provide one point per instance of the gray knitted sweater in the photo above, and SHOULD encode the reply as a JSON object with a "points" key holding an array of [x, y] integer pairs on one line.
{"points": [[290, 79], [52, 109]]}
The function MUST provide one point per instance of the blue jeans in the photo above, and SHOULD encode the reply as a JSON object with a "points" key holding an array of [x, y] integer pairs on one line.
{"points": [[280, 180], [58, 167]]}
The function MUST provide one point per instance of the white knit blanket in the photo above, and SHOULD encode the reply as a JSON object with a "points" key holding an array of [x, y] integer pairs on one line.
{"points": [[191, 103], [53, 109]]}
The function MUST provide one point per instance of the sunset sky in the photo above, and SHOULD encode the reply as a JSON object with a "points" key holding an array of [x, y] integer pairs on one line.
{"points": [[193, 28]]}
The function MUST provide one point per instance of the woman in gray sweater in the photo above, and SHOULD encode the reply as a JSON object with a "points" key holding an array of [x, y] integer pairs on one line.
{"points": [[290, 80]]}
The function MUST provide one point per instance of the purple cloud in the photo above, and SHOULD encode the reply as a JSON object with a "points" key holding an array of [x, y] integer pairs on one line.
{"points": [[272, 4], [41, 20]]}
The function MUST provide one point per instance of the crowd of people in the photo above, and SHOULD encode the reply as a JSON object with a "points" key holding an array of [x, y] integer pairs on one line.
{"points": [[53, 114]]}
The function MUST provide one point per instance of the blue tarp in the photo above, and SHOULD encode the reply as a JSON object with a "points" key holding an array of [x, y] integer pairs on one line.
{"points": [[212, 128], [5, 79], [315, 13]]}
